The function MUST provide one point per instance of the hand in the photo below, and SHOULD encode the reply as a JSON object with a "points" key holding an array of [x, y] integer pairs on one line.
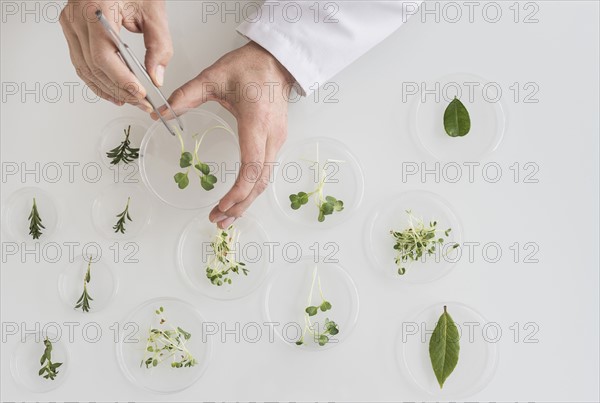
{"points": [[95, 56], [251, 84]]}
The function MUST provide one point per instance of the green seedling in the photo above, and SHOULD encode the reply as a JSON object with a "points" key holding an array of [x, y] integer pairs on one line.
{"points": [[49, 368], [122, 217], [167, 344], [35, 222], [84, 301], [330, 328], [124, 152], [222, 261], [417, 241]]}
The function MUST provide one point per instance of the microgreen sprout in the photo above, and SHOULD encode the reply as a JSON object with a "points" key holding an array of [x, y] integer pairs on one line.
{"points": [[35, 222], [84, 301], [48, 367], [221, 263], [124, 152], [327, 205], [330, 328], [191, 160], [416, 241], [124, 215], [164, 344]]}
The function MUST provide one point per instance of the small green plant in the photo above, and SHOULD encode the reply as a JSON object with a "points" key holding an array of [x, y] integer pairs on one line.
{"points": [[416, 241], [124, 152], [191, 160], [164, 344], [444, 347], [35, 222], [49, 368], [120, 225], [222, 262], [327, 205], [457, 121], [330, 328], [84, 301]]}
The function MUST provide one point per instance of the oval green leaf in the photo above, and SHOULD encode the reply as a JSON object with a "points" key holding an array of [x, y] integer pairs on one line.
{"points": [[457, 122], [444, 348]]}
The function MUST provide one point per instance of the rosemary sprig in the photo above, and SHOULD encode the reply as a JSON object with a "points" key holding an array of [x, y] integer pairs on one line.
{"points": [[123, 152], [35, 222], [163, 344], [416, 241], [84, 301], [120, 225], [330, 328], [221, 264], [49, 368]]}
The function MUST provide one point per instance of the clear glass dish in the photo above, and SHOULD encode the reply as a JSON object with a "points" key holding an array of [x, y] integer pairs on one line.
{"points": [[477, 360], [113, 134], [299, 169], [112, 201], [132, 346], [102, 287], [18, 207], [25, 362], [287, 297], [251, 248], [391, 215], [488, 122], [161, 151]]}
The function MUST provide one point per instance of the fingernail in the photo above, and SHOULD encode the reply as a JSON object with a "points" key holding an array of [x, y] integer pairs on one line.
{"points": [[218, 218], [143, 108], [160, 75], [227, 222]]}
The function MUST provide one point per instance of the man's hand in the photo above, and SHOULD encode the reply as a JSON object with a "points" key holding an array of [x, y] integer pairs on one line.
{"points": [[95, 56], [251, 84]]}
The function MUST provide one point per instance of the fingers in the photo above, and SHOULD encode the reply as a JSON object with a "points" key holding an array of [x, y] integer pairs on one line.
{"points": [[191, 95], [157, 39]]}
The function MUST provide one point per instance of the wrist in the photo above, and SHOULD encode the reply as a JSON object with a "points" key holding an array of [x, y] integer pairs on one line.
{"points": [[283, 75]]}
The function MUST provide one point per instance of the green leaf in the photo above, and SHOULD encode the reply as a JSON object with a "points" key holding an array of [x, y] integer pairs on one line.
{"points": [[295, 205], [444, 347], [294, 198], [182, 180], [207, 182], [457, 122], [202, 167], [186, 159], [311, 310], [327, 208], [325, 306], [323, 340]]}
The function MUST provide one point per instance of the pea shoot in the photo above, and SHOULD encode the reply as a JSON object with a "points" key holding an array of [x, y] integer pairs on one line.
{"points": [[84, 301], [124, 152], [35, 222], [166, 344], [330, 328], [122, 217], [49, 368], [417, 241], [222, 263]]}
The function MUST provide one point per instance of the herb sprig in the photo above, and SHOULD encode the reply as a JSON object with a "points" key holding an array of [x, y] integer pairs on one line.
{"points": [[416, 241], [35, 222], [122, 217], [49, 368], [222, 263], [124, 152], [330, 328], [84, 301], [164, 344]]}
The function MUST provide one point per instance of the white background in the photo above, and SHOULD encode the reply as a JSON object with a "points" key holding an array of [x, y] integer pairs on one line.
{"points": [[560, 213]]}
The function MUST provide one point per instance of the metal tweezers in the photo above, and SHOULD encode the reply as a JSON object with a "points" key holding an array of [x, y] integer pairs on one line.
{"points": [[129, 59]]}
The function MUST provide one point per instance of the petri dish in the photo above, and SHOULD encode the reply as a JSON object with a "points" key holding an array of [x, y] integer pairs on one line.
{"points": [[25, 362], [478, 356], [299, 169], [112, 201], [132, 346], [252, 248], [392, 215], [161, 151], [18, 207], [113, 133], [287, 297], [482, 100], [102, 287]]}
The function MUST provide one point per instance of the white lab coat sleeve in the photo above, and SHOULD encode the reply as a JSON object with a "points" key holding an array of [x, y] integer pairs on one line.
{"points": [[315, 40]]}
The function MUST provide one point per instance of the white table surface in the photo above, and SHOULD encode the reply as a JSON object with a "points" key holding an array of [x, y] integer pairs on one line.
{"points": [[559, 294]]}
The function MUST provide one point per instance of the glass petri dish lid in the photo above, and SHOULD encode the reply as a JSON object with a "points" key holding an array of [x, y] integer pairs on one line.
{"points": [[16, 211]]}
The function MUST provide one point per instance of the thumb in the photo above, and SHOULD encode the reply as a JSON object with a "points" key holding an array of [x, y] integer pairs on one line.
{"points": [[157, 39], [191, 95]]}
